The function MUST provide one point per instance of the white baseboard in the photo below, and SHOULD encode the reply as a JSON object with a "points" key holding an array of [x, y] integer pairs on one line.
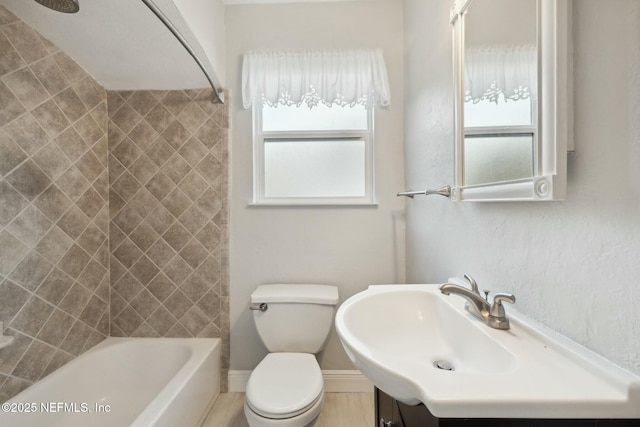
{"points": [[237, 380], [335, 381]]}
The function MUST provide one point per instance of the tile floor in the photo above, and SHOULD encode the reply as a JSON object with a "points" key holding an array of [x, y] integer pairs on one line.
{"points": [[338, 410]]}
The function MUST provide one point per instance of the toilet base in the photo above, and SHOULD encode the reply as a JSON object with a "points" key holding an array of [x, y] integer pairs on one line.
{"points": [[306, 419]]}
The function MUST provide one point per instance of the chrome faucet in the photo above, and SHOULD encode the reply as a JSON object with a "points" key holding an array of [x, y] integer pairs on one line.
{"points": [[492, 314]]}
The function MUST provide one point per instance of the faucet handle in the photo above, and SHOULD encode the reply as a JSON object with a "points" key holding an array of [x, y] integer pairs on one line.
{"points": [[472, 282], [497, 318], [497, 310]]}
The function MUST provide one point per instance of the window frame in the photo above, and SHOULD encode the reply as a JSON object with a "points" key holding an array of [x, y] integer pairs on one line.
{"points": [[260, 136]]}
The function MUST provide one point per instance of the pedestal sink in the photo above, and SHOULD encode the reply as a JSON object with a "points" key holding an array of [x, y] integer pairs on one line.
{"points": [[418, 345]]}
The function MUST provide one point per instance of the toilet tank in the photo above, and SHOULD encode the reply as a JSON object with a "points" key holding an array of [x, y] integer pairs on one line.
{"points": [[298, 318]]}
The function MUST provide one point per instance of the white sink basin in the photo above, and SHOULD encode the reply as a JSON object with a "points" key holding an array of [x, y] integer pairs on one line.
{"points": [[395, 333]]}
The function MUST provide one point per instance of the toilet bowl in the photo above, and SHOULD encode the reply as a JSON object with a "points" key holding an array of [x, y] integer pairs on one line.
{"points": [[286, 388]]}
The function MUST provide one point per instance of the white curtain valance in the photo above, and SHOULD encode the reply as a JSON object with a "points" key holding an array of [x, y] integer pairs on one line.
{"points": [[342, 77], [492, 70]]}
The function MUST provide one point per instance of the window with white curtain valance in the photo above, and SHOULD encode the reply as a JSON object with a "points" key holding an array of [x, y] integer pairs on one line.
{"points": [[494, 70], [329, 77]]}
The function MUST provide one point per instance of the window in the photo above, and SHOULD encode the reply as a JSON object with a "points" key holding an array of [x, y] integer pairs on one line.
{"points": [[500, 113], [500, 140], [313, 124], [313, 155]]}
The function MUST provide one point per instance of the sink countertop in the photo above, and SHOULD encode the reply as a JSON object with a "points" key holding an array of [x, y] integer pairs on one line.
{"points": [[528, 371]]}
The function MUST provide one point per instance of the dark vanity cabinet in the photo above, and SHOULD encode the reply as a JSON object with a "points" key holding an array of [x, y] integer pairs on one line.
{"points": [[392, 413]]}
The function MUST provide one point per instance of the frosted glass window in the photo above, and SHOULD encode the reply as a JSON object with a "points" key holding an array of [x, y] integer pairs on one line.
{"points": [[496, 158], [313, 156], [315, 168], [320, 117], [499, 140]]}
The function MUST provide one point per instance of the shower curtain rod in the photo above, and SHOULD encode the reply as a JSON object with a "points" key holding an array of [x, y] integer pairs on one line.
{"points": [[217, 96]]}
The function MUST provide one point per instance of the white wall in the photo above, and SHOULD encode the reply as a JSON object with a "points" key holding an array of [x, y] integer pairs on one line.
{"points": [[573, 265], [348, 247], [206, 21]]}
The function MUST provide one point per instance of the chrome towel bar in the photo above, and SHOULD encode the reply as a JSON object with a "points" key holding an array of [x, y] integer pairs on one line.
{"points": [[442, 191]]}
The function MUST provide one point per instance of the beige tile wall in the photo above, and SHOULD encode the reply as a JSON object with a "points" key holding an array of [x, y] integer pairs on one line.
{"points": [[168, 209], [54, 219], [145, 200]]}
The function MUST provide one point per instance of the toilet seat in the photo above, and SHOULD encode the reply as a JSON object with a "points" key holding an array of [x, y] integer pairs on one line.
{"points": [[284, 385]]}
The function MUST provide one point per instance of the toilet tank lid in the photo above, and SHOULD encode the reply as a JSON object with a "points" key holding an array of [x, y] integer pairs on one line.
{"points": [[310, 294]]}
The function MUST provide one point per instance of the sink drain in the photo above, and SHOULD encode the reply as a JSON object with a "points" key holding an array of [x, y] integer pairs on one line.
{"points": [[444, 365]]}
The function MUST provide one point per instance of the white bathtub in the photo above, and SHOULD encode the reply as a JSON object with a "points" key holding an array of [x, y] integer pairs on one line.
{"points": [[137, 382]]}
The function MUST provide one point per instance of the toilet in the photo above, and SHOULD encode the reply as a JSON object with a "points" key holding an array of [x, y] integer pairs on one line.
{"points": [[286, 388]]}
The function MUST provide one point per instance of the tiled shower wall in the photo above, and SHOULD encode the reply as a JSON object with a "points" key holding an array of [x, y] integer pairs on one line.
{"points": [[168, 209], [54, 219], [167, 166]]}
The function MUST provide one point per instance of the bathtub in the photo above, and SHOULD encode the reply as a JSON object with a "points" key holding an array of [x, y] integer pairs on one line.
{"points": [[137, 382]]}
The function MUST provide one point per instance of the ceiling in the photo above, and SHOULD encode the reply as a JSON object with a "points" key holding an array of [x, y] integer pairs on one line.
{"points": [[124, 46], [232, 2], [121, 43]]}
